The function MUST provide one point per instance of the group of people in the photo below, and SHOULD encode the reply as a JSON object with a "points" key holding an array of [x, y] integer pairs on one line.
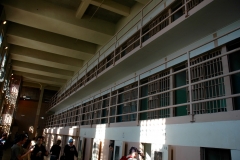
{"points": [[69, 151], [26, 149], [23, 149]]}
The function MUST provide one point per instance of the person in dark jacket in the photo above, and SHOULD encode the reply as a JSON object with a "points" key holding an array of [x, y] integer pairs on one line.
{"points": [[70, 150], [39, 150], [55, 150]]}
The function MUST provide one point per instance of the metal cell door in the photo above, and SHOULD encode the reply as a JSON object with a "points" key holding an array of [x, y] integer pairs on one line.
{"points": [[119, 148]]}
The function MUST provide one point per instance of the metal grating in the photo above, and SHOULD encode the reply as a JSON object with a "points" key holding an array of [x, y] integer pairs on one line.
{"points": [[192, 3], [210, 89], [160, 100], [207, 92]]}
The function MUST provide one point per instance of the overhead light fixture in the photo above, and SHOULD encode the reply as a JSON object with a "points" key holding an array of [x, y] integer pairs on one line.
{"points": [[42, 117], [22, 115], [4, 22], [12, 74], [26, 97], [6, 47]]}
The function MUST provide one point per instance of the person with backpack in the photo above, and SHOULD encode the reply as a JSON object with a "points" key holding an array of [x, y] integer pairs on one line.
{"points": [[133, 154]]}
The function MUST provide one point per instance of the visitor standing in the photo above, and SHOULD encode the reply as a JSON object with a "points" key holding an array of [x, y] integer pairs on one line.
{"points": [[39, 150], [17, 152], [70, 150], [55, 150], [26, 147]]}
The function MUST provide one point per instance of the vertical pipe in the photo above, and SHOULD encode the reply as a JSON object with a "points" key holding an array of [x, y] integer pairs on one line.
{"points": [[35, 133], [138, 95], [189, 85], [140, 37], [227, 80]]}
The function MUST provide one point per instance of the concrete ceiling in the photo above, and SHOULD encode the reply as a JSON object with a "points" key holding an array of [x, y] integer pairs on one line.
{"points": [[50, 40]]}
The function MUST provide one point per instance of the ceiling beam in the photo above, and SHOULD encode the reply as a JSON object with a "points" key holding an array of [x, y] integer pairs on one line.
{"points": [[41, 70], [24, 54], [38, 85], [47, 16], [143, 1], [112, 6], [51, 42], [82, 8], [40, 78]]}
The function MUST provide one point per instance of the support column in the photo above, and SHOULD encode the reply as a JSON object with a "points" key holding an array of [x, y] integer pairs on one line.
{"points": [[38, 111], [171, 98], [227, 81]]}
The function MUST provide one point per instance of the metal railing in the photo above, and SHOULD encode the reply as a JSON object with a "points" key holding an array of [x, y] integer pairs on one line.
{"points": [[208, 104], [76, 83]]}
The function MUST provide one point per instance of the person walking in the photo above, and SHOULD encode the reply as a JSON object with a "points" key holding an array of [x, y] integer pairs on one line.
{"points": [[17, 152], [55, 150], [39, 150], [70, 150], [26, 146]]}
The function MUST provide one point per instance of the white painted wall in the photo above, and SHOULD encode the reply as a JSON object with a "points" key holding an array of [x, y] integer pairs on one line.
{"points": [[185, 153], [221, 134], [63, 131], [235, 154]]}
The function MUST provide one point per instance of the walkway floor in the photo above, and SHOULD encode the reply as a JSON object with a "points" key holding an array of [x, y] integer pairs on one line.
{"points": [[7, 155]]}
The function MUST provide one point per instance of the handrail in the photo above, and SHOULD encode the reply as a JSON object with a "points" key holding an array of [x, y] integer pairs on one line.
{"points": [[57, 96], [224, 54], [115, 36]]}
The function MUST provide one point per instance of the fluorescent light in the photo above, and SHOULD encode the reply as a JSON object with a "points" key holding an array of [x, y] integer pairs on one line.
{"points": [[26, 97]]}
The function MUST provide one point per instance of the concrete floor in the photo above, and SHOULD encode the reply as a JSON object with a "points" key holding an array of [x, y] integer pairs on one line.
{"points": [[7, 155]]}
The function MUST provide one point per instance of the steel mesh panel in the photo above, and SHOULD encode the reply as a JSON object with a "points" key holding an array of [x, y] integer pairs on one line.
{"points": [[192, 3], [210, 89], [91, 74], [161, 100], [158, 24]]}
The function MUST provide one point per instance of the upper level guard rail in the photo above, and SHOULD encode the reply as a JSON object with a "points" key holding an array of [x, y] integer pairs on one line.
{"points": [[90, 72]]}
